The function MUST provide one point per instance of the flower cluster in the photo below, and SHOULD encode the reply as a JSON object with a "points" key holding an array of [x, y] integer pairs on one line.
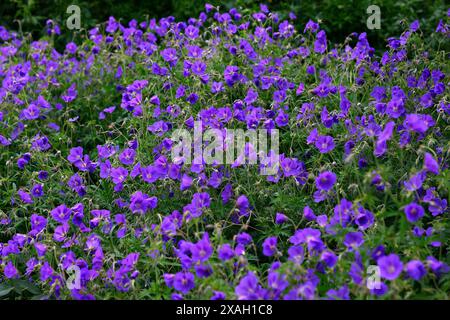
{"points": [[89, 190]]}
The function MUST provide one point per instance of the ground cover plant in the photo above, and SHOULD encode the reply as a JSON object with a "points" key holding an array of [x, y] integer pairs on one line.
{"points": [[94, 206]]}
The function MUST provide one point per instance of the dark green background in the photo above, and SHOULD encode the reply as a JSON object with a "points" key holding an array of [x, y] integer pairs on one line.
{"points": [[339, 17]]}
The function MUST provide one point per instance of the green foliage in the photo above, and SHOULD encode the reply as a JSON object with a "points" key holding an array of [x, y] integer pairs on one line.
{"points": [[339, 17]]}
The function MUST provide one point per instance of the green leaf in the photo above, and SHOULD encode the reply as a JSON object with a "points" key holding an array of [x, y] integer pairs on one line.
{"points": [[4, 290]]}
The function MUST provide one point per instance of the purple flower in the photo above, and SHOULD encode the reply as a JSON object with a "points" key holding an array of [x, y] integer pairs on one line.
{"points": [[436, 205], [119, 175], [280, 218], [71, 48], [244, 238], [23, 160], [249, 288], [415, 269], [127, 156], [76, 183], [379, 289], [202, 250], [31, 265], [227, 193], [186, 182], [70, 94], [201, 200], [140, 202], [194, 51], [170, 55], [41, 249], [216, 87], [132, 97], [329, 258], [292, 167], [225, 252], [325, 144], [218, 295], [311, 26], [31, 113], [325, 180], [10, 271], [419, 123], [184, 282], [40, 143], [426, 100], [76, 155], [353, 240], [383, 137], [4, 141], [242, 205], [38, 223], [415, 182], [356, 270], [159, 127], [377, 181], [112, 25], [390, 266], [60, 233], [203, 270], [176, 297], [308, 213], [310, 236], [150, 174], [311, 70], [414, 25], [395, 108], [24, 196], [61, 213], [198, 68], [46, 272], [43, 175], [191, 32], [438, 267], [37, 190], [296, 254], [341, 294], [364, 218], [270, 246], [192, 98], [414, 212], [93, 242], [231, 75], [215, 180], [378, 93], [320, 45], [277, 283], [431, 164]]}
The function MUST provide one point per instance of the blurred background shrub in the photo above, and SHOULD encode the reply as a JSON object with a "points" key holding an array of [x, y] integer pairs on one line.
{"points": [[339, 17]]}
